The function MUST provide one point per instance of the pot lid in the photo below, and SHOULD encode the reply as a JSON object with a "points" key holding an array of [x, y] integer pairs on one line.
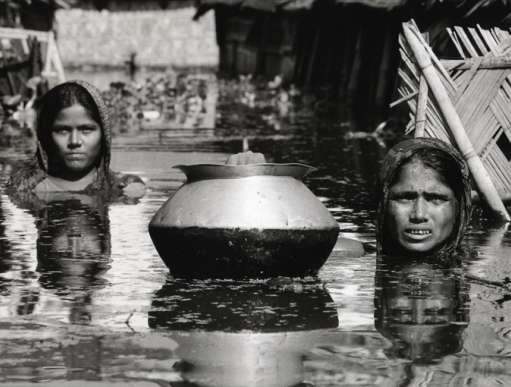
{"points": [[225, 171]]}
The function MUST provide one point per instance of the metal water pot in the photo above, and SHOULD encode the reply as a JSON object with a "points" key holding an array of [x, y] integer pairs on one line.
{"points": [[253, 220]]}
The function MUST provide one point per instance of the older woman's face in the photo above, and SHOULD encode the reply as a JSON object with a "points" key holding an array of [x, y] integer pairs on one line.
{"points": [[421, 212]]}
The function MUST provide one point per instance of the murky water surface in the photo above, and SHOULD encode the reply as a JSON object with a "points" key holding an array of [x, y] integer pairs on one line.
{"points": [[86, 298]]}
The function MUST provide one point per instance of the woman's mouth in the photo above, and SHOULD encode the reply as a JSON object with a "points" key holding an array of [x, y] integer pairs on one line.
{"points": [[416, 234], [75, 156]]}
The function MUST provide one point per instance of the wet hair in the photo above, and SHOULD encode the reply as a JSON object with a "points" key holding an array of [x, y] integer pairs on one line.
{"points": [[59, 98]]}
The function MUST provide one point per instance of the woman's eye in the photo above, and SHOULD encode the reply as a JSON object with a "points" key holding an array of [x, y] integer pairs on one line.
{"points": [[60, 129], [400, 198], [437, 199], [87, 129]]}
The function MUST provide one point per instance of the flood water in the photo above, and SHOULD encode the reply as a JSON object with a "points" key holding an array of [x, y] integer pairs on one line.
{"points": [[86, 300]]}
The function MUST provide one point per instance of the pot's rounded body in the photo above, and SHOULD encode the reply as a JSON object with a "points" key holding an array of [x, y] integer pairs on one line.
{"points": [[256, 220]]}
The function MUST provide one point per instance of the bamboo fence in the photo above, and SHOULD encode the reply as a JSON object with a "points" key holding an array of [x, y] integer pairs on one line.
{"points": [[464, 101]]}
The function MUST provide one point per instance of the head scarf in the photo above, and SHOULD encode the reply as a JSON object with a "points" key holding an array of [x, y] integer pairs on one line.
{"points": [[398, 156], [27, 178]]}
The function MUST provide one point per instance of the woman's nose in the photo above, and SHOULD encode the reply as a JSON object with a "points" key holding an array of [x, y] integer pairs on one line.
{"points": [[419, 210], [74, 139]]}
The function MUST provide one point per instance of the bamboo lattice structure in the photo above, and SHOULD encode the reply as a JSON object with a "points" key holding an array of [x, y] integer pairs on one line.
{"points": [[466, 102]]}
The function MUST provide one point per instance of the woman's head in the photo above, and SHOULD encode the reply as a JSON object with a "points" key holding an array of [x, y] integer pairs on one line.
{"points": [[424, 200], [72, 129]]}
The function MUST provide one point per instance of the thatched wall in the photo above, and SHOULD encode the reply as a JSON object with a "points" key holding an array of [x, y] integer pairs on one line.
{"points": [[159, 38]]}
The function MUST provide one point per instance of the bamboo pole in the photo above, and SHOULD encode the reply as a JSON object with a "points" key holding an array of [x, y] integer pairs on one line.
{"points": [[403, 99], [481, 177], [422, 102], [484, 63]]}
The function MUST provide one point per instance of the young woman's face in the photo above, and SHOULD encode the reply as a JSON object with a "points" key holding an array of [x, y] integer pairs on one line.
{"points": [[77, 141], [421, 212]]}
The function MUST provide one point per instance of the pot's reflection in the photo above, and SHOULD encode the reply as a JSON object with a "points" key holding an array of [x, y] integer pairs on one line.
{"points": [[422, 309], [253, 333]]}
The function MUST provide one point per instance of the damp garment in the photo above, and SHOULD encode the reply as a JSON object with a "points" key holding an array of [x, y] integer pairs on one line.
{"points": [[34, 174], [398, 156]]}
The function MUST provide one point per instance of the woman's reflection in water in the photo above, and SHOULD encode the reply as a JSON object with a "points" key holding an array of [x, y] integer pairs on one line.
{"points": [[73, 249], [422, 308], [233, 333]]}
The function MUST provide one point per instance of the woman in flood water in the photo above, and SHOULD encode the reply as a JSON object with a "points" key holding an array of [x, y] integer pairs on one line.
{"points": [[424, 199], [73, 146], [424, 205]]}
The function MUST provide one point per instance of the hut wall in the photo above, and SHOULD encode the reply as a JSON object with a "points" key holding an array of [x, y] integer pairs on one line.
{"points": [[158, 38]]}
